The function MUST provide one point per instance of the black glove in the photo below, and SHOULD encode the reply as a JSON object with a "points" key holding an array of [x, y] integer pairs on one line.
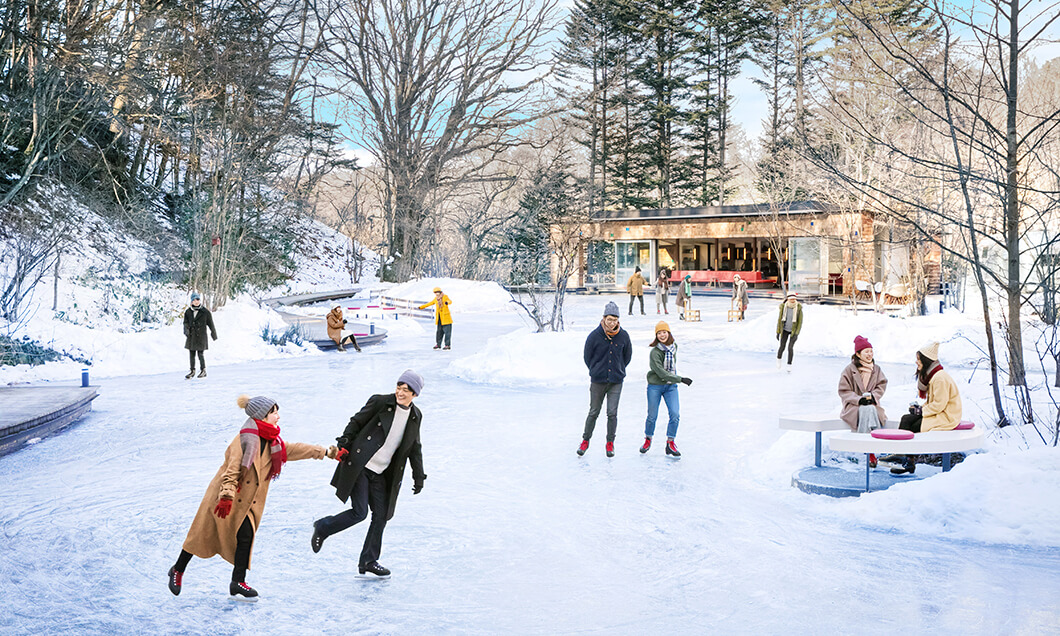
{"points": [[915, 409], [344, 321], [342, 442], [417, 487], [864, 401], [686, 381], [778, 336]]}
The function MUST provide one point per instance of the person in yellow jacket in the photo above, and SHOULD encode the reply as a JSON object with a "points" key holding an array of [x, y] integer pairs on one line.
{"points": [[442, 317], [942, 402]]}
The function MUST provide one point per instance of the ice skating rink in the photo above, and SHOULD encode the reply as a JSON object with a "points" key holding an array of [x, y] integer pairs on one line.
{"points": [[513, 533]]}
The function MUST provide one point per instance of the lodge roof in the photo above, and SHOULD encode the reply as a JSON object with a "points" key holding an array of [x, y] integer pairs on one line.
{"points": [[716, 211]]}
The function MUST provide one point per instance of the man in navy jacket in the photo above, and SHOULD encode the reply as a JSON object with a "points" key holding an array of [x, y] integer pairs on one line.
{"points": [[607, 354]]}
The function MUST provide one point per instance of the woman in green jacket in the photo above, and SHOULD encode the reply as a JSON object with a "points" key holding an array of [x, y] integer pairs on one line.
{"points": [[789, 324], [662, 385]]}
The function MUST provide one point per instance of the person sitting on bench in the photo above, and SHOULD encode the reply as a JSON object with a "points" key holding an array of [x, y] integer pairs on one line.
{"points": [[942, 407], [336, 323]]}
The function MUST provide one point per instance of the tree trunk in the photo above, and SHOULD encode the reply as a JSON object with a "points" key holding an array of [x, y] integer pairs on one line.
{"points": [[1017, 374]]}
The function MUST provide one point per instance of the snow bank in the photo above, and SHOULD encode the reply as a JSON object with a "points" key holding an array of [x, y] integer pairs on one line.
{"points": [[995, 497], [830, 331], [467, 295]]}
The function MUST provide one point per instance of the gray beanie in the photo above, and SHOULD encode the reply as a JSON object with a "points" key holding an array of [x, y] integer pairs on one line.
{"points": [[611, 309], [256, 407], [412, 380]]}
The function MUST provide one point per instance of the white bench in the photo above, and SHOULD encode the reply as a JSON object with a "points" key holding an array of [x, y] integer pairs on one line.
{"points": [[931, 442], [815, 425]]}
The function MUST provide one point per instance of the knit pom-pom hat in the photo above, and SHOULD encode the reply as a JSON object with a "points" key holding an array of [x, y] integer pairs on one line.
{"points": [[256, 407]]}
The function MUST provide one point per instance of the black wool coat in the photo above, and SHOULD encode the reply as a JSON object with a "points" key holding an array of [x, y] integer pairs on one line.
{"points": [[365, 434], [195, 329]]}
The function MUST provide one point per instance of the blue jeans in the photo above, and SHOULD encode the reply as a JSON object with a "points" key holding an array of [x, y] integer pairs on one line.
{"points": [[668, 392]]}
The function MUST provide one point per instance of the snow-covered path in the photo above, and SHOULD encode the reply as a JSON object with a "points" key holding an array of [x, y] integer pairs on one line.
{"points": [[513, 532]]}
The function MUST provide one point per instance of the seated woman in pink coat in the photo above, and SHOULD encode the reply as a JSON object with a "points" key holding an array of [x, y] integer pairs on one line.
{"points": [[861, 387]]}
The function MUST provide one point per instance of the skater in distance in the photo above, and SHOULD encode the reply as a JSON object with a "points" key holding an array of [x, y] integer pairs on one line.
{"points": [[196, 320], [443, 318]]}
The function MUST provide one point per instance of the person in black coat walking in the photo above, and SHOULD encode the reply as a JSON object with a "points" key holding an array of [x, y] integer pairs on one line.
{"points": [[607, 354], [380, 438], [196, 320]]}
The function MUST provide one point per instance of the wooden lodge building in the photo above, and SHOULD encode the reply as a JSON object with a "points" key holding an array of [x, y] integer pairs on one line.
{"points": [[823, 251]]}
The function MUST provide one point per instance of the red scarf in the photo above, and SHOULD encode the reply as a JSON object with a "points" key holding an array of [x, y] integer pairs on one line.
{"points": [[249, 438], [922, 387]]}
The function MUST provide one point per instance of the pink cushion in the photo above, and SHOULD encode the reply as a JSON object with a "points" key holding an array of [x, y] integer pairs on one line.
{"points": [[892, 433], [965, 425]]}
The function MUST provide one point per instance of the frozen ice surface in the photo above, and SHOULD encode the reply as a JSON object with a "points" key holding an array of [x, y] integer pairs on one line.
{"points": [[513, 532]]}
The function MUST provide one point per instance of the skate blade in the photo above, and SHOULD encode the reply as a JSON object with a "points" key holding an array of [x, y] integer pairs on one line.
{"points": [[243, 599], [371, 577]]}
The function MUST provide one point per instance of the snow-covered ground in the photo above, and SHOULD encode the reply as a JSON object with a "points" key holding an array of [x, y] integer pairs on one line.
{"points": [[513, 532]]}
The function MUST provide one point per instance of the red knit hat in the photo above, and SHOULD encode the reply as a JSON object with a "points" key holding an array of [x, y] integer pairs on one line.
{"points": [[861, 342]]}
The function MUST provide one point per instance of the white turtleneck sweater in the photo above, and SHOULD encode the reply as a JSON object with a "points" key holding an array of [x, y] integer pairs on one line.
{"points": [[378, 463]]}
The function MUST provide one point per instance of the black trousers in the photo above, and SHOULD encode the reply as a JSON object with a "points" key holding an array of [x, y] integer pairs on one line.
{"points": [[369, 493], [787, 339], [191, 359], [639, 297], [911, 422], [443, 331], [244, 541]]}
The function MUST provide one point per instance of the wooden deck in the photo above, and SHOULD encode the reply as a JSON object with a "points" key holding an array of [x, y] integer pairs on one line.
{"points": [[33, 412]]}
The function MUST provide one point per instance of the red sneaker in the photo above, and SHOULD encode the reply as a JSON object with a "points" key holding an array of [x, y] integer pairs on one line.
{"points": [[583, 447], [610, 448], [646, 446]]}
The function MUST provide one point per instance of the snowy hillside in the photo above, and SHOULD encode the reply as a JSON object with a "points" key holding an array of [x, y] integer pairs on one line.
{"points": [[115, 312]]}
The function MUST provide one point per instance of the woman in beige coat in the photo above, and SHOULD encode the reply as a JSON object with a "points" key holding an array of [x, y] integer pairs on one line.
{"points": [[336, 323], [231, 509], [862, 383], [941, 410]]}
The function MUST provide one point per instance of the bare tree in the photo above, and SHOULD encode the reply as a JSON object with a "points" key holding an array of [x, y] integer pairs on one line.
{"points": [[433, 82], [968, 145], [34, 242]]}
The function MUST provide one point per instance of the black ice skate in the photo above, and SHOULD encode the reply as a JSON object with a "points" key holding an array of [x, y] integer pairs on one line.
{"points": [[317, 541], [202, 374], [671, 449], [647, 445], [242, 592], [373, 571], [191, 374], [175, 581]]}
